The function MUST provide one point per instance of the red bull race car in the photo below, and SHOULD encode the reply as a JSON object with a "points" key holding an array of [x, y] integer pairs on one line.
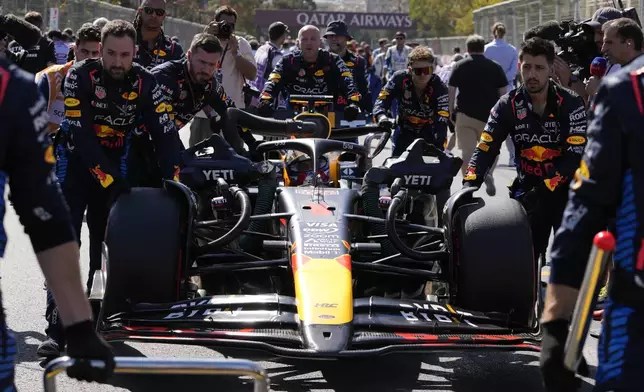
{"points": [[345, 261]]}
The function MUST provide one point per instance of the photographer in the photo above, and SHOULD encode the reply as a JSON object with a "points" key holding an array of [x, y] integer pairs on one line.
{"points": [[237, 64], [38, 56], [622, 43]]}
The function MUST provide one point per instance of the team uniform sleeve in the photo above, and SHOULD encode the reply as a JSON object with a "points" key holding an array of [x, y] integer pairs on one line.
{"points": [[573, 135], [594, 192], [219, 100], [441, 113], [162, 130], [78, 117], [386, 97], [178, 51], [35, 193], [496, 130], [50, 52], [345, 79], [275, 83]]}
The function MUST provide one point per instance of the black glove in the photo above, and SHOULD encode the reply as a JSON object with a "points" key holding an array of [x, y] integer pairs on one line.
{"points": [[83, 345], [385, 122], [470, 184], [351, 112], [265, 110], [556, 377]]}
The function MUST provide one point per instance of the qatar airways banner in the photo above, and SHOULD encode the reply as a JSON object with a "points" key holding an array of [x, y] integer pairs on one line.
{"points": [[356, 20]]}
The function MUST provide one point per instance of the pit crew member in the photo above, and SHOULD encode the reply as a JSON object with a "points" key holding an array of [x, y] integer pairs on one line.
{"points": [[153, 47], [337, 36], [311, 71], [606, 187], [423, 103], [50, 79], [547, 124], [26, 163], [104, 99], [189, 84]]}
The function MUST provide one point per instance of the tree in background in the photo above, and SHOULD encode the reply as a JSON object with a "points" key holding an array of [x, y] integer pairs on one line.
{"points": [[439, 18], [308, 5]]}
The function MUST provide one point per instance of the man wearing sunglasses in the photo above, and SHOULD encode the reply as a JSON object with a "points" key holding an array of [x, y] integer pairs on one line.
{"points": [[423, 103], [153, 46]]}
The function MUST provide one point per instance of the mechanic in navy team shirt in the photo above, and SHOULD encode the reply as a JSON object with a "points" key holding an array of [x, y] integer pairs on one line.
{"points": [[337, 36], [607, 186], [423, 103], [26, 162], [547, 124], [153, 46], [310, 71], [105, 101]]}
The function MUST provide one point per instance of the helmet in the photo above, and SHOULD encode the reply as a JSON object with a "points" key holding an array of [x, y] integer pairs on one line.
{"points": [[298, 169]]}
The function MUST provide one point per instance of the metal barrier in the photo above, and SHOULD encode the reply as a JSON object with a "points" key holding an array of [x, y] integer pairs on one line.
{"points": [[136, 365]]}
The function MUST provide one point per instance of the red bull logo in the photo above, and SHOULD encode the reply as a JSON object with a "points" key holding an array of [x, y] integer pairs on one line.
{"points": [[470, 175], [355, 98], [553, 183], [177, 171], [540, 154], [104, 179], [265, 96]]}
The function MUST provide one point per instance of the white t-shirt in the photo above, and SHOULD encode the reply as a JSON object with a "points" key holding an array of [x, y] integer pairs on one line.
{"points": [[229, 76]]}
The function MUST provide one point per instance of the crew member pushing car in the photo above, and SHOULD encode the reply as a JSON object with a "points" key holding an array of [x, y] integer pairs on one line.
{"points": [[26, 165], [423, 103], [104, 99], [337, 35], [310, 71], [547, 124]]}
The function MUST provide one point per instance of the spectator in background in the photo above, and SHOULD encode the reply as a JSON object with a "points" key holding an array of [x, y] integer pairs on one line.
{"points": [[153, 47], [254, 45], [396, 56], [506, 55], [382, 48], [236, 66], [60, 46], [457, 50], [68, 32], [39, 56], [100, 22], [268, 55], [378, 73], [480, 82], [444, 74]]}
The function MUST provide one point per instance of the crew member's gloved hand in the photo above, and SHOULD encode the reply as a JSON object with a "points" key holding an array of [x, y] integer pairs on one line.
{"points": [[385, 122], [556, 377], [351, 112], [265, 110], [84, 344]]}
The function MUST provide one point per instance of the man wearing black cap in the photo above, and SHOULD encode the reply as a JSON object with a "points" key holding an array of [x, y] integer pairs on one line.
{"points": [[269, 54], [599, 19], [337, 35]]}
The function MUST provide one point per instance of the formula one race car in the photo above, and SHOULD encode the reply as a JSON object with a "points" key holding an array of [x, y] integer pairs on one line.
{"points": [[238, 254]]}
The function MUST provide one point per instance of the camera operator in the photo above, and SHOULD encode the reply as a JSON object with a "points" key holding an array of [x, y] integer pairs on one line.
{"points": [[622, 43], [237, 64], [38, 56], [153, 47], [548, 127], [25, 34]]}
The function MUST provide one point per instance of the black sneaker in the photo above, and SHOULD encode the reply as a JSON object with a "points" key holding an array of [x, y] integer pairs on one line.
{"points": [[49, 349]]}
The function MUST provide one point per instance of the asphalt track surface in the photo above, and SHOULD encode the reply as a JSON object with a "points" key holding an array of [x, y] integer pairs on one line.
{"points": [[22, 285]]}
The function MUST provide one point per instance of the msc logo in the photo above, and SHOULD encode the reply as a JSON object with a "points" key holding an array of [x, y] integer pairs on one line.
{"points": [[72, 102]]}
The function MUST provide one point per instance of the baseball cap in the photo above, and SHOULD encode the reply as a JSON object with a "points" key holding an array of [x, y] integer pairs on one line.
{"points": [[603, 15], [277, 29]]}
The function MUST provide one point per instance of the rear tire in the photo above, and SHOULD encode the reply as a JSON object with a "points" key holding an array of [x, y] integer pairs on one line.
{"points": [[144, 250], [496, 268]]}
